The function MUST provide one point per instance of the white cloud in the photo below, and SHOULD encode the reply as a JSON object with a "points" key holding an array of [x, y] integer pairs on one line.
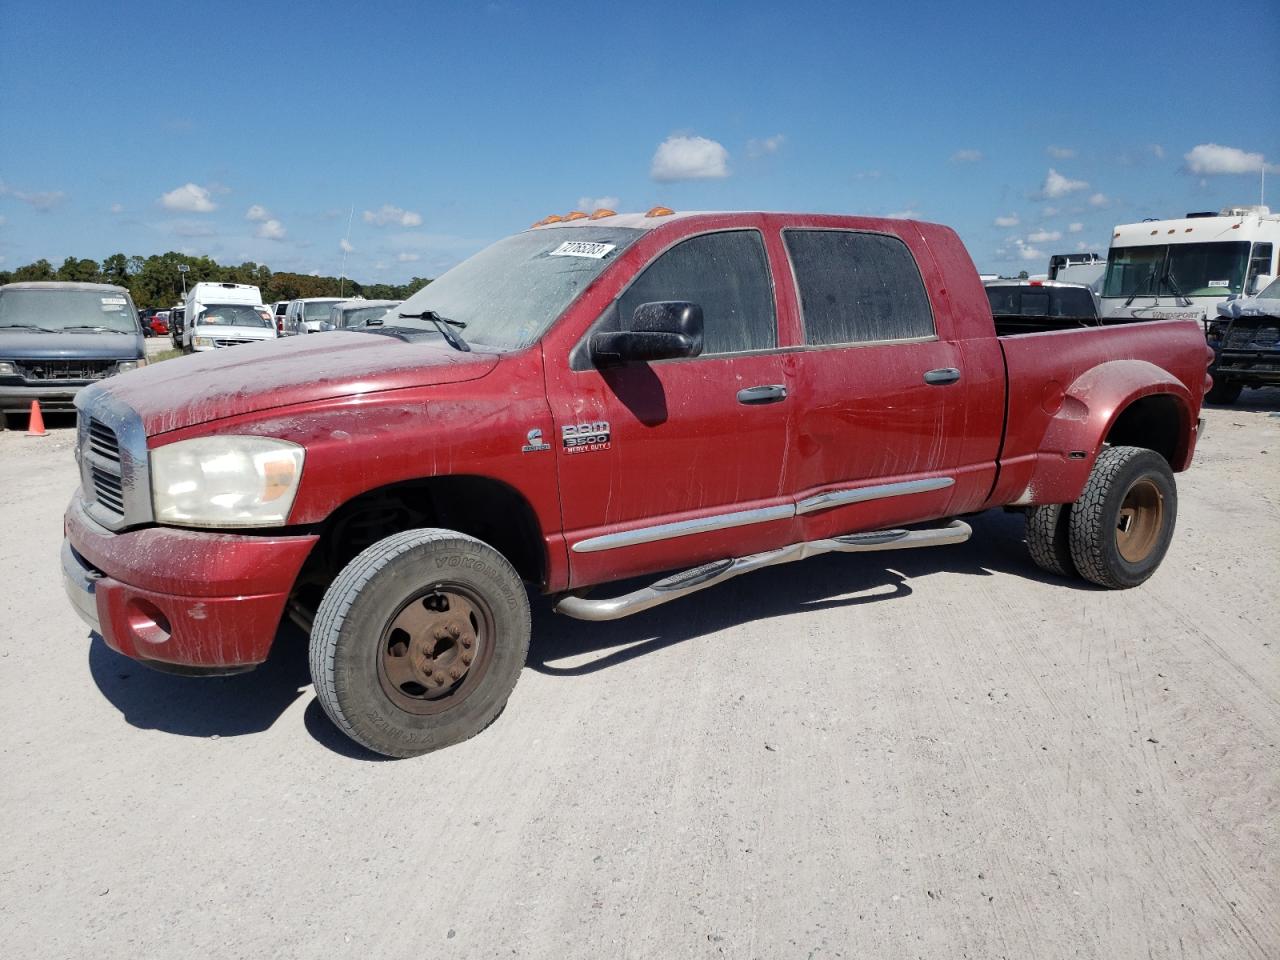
{"points": [[1010, 221], [1056, 185], [1082, 245], [762, 148], [1211, 159], [1050, 211], [44, 200], [345, 246], [408, 257], [904, 215], [966, 156], [388, 215], [1060, 153], [598, 203], [117, 208], [3, 221], [689, 158], [257, 213], [270, 230], [188, 198], [1026, 252], [1044, 236], [868, 175], [1075, 227], [1157, 151], [1099, 200]]}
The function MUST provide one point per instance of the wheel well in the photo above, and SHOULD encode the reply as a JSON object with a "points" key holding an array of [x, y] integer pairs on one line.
{"points": [[477, 506], [1153, 422]]}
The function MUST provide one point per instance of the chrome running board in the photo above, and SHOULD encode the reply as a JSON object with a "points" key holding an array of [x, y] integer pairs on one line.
{"points": [[708, 575]]}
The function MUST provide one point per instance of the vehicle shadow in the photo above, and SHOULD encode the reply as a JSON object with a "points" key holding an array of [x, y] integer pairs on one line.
{"points": [[829, 581], [1258, 398], [205, 706], [252, 702]]}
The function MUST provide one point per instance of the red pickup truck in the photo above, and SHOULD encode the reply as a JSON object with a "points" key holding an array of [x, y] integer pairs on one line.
{"points": [[595, 399]]}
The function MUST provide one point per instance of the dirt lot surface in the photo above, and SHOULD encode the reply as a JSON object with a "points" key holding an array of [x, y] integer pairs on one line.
{"points": [[938, 754]]}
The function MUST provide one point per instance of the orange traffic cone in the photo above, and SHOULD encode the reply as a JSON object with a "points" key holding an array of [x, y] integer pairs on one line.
{"points": [[35, 423]]}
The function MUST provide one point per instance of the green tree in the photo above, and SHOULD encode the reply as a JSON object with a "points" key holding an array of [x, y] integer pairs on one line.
{"points": [[40, 270]]}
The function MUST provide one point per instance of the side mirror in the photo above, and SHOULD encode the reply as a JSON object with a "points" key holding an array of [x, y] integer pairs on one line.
{"points": [[659, 331]]}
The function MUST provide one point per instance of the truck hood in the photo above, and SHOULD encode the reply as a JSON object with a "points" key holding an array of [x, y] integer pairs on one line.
{"points": [[204, 387], [16, 344]]}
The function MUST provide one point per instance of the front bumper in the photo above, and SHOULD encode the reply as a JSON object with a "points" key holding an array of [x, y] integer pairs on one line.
{"points": [[180, 599], [56, 397]]}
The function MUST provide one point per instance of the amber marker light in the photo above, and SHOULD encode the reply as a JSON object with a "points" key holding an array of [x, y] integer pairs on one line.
{"points": [[602, 213], [660, 212]]}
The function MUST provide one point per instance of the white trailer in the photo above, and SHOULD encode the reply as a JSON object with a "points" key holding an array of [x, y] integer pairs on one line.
{"points": [[1182, 269]]}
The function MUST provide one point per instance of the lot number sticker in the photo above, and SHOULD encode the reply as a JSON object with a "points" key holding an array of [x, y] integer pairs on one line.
{"points": [[583, 248]]}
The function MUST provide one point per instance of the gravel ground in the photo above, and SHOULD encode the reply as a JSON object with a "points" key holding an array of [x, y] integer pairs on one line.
{"points": [[934, 754]]}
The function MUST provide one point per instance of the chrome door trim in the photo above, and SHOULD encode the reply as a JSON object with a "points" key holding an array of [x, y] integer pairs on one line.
{"points": [[840, 498], [684, 528]]}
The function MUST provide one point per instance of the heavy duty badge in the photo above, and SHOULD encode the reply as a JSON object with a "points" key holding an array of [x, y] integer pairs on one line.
{"points": [[534, 444], [585, 437]]}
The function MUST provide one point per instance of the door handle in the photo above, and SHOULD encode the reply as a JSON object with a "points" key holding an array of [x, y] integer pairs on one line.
{"points": [[765, 393], [942, 376]]}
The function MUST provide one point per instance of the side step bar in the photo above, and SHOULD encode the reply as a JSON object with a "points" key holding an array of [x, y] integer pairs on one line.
{"points": [[699, 578]]}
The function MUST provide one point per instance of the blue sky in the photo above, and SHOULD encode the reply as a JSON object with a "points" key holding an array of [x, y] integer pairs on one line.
{"points": [[251, 131]]}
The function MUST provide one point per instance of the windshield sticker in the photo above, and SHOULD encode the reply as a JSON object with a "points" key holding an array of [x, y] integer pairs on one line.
{"points": [[112, 307], [1218, 283], [585, 437], [119, 300], [583, 248]]}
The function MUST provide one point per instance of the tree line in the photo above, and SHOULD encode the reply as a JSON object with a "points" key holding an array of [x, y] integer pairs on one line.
{"points": [[156, 282]]}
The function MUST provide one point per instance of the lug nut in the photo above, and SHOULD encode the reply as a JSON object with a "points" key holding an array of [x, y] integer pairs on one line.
{"points": [[466, 641], [466, 659]]}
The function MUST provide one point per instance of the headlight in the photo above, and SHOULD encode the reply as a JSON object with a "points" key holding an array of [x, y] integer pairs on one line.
{"points": [[8, 369], [204, 341], [124, 366], [225, 481]]}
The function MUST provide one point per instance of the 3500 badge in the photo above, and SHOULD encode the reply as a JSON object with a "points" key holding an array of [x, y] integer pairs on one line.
{"points": [[585, 437]]}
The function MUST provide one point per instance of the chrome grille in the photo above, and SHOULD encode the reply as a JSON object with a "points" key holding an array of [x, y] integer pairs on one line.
{"points": [[66, 369], [112, 451], [103, 442], [229, 342]]}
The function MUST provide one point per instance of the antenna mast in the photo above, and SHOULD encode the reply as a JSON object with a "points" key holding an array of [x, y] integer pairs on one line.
{"points": [[346, 242]]}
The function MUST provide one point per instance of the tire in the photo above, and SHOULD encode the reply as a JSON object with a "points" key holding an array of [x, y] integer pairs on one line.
{"points": [[419, 641], [1048, 532], [1225, 393], [1121, 526]]}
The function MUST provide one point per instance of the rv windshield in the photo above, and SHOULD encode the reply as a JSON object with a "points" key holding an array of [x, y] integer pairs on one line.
{"points": [[58, 310], [1177, 269]]}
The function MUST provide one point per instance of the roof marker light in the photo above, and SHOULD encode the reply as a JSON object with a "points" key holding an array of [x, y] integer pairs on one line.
{"points": [[574, 215], [602, 213], [554, 218], [660, 212]]}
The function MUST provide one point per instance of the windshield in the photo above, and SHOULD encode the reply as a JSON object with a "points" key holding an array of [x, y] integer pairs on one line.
{"points": [[509, 293], [1271, 291], [358, 316], [318, 310], [1187, 269], [234, 315], [59, 310]]}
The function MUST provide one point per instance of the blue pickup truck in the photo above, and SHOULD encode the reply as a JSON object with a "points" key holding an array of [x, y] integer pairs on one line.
{"points": [[1246, 344]]}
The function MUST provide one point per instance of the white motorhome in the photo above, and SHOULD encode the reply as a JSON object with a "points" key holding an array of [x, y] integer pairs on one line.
{"points": [[225, 315], [1182, 269]]}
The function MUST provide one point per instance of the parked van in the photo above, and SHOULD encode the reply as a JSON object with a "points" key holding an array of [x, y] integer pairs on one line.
{"points": [[307, 313], [225, 315], [56, 338]]}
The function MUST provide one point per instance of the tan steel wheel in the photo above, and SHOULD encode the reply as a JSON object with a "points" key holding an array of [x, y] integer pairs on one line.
{"points": [[1141, 521]]}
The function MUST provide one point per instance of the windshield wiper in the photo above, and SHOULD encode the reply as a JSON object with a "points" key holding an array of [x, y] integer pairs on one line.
{"points": [[1177, 291], [26, 326], [90, 326], [443, 324], [1151, 283]]}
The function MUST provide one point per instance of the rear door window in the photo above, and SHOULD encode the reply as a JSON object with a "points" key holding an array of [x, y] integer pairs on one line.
{"points": [[858, 287]]}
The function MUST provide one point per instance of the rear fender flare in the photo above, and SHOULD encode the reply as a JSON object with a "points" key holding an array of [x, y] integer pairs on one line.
{"points": [[1089, 409]]}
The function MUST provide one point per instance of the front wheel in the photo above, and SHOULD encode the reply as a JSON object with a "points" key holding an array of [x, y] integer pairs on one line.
{"points": [[419, 641], [1122, 524]]}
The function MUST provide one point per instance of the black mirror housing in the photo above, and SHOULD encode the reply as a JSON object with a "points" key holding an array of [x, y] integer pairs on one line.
{"points": [[662, 330]]}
